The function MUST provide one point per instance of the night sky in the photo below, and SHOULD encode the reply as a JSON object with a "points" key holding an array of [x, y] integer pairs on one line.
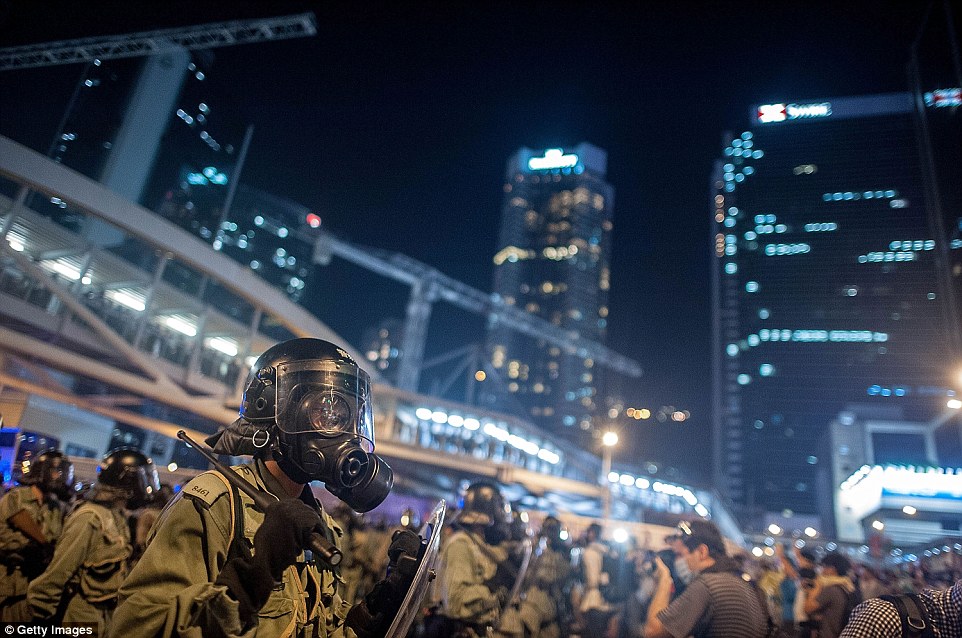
{"points": [[395, 122]]}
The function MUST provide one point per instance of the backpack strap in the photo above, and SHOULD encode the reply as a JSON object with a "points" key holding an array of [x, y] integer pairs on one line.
{"points": [[912, 616], [236, 548]]}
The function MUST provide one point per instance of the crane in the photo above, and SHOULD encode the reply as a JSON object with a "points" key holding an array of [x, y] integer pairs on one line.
{"points": [[203, 36], [429, 285]]}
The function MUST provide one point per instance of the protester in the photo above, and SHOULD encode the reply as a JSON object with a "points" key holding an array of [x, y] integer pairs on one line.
{"points": [[834, 596], [718, 602], [878, 618]]}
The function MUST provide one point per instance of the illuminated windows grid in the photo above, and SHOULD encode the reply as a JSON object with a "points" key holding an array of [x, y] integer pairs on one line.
{"points": [[826, 291], [552, 261]]}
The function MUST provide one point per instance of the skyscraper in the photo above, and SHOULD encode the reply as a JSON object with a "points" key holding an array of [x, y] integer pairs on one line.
{"points": [[552, 261], [157, 132], [826, 289], [383, 347]]}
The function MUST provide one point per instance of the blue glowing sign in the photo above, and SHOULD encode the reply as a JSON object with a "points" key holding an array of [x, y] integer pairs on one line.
{"points": [[781, 112], [934, 483], [553, 158]]}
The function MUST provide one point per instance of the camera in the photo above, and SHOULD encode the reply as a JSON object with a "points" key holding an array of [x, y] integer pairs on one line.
{"points": [[648, 563]]}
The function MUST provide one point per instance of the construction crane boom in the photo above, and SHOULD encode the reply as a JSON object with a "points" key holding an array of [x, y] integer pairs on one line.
{"points": [[429, 284], [203, 36]]}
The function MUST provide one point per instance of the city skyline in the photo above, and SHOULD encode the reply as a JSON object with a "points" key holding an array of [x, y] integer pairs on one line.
{"points": [[375, 138], [828, 293]]}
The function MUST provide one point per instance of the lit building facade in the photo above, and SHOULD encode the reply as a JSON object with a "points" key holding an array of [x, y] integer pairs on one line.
{"points": [[826, 291], [895, 482], [272, 235], [552, 261], [383, 347]]}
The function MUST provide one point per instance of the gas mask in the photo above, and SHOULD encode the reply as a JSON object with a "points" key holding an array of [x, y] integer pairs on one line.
{"points": [[484, 505], [58, 480], [319, 402], [130, 474], [52, 472]]}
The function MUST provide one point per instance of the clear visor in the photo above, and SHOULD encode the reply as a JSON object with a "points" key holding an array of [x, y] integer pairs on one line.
{"points": [[151, 479], [60, 474], [326, 398]]}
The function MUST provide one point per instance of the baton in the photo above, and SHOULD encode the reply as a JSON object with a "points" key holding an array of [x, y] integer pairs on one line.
{"points": [[318, 543]]}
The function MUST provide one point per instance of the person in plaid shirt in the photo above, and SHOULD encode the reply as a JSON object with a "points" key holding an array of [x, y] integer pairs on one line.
{"points": [[877, 618]]}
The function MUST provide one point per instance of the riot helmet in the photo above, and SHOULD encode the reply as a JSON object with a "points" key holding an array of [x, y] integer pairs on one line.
{"points": [[51, 471], [485, 506], [551, 532], [310, 403], [130, 475]]}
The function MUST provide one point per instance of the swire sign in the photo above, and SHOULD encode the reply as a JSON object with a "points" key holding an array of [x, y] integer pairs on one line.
{"points": [[782, 112]]}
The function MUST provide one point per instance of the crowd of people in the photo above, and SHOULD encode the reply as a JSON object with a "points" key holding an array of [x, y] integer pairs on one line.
{"points": [[249, 550]]}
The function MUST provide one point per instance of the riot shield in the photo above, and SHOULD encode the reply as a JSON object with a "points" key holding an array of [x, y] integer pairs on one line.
{"points": [[427, 564], [515, 595]]}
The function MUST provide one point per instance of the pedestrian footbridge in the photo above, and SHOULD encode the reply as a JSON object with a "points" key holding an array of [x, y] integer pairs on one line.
{"points": [[106, 342]]}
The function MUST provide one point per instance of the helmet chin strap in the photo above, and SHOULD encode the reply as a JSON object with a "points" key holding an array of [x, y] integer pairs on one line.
{"points": [[285, 460]]}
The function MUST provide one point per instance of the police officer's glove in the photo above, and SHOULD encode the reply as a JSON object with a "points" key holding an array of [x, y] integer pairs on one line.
{"points": [[373, 615], [35, 558], [504, 577], [285, 532]]}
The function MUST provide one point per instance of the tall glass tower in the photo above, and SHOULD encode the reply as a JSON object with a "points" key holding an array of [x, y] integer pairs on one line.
{"points": [[552, 261], [826, 290]]}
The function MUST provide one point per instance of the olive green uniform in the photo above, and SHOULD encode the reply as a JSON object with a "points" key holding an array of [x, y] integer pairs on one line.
{"points": [[467, 563], [365, 561], [48, 514], [172, 590], [88, 566], [548, 579]]}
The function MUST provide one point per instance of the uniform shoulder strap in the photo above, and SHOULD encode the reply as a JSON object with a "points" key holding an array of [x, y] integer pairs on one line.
{"points": [[912, 615], [207, 488]]}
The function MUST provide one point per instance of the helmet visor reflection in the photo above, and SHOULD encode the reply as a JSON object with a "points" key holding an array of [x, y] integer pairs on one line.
{"points": [[325, 397]]}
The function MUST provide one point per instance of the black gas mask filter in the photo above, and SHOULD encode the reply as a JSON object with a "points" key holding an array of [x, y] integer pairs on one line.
{"points": [[361, 479]]}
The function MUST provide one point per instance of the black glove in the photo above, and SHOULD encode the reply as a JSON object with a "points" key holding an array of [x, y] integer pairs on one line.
{"points": [[504, 577], [36, 559], [285, 532], [372, 616]]}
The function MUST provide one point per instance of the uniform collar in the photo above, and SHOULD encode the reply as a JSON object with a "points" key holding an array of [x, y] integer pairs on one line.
{"points": [[267, 481]]}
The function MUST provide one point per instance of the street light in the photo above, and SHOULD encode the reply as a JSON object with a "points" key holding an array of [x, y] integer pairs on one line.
{"points": [[608, 441]]}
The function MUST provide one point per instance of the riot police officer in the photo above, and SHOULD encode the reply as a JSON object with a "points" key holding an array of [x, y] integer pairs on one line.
{"points": [[91, 558], [475, 575], [216, 566], [545, 604], [31, 519]]}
